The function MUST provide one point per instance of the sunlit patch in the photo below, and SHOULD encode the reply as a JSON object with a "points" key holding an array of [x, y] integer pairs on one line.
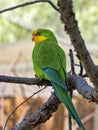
{"points": [[34, 32]]}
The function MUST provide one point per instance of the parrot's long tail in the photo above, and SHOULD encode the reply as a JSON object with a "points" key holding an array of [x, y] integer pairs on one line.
{"points": [[65, 98], [61, 92]]}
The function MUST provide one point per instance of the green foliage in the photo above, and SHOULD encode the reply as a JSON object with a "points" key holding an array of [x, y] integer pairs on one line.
{"points": [[96, 61], [43, 15], [28, 18], [11, 32], [87, 15]]}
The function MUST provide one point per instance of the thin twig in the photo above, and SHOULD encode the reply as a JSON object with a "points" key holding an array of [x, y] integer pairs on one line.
{"points": [[69, 115], [81, 69], [20, 105], [29, 3], [71, 91], [80, 65], [53, 5], [71, 61]]}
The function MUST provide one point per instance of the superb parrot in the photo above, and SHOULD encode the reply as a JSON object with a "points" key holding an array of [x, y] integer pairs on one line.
{"points": [[49, 62]]}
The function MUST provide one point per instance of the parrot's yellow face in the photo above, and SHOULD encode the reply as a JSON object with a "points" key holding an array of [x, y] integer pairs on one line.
{"points": [[38, 37]]}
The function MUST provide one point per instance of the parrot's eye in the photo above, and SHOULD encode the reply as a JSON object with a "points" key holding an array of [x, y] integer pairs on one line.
{"points": [[37, 33]]}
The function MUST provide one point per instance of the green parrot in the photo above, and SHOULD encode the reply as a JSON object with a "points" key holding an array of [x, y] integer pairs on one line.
{"points": [[49, 62]]}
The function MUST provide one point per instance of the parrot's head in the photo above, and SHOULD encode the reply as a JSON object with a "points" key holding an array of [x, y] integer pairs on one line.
{"points": [[40, 35]]}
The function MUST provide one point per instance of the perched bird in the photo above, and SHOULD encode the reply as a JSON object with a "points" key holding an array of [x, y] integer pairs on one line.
{"points": [[49, 63]]}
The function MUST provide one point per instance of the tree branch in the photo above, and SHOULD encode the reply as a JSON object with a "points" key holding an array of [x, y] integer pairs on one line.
{"points": [[42, 114], [21, 105], [45, 111], [29, 3], [23, 80], [82, 87], [73, 80], [71, 26]]}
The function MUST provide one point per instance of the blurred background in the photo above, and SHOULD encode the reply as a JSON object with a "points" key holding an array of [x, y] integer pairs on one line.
{"points": [[16, 59]]}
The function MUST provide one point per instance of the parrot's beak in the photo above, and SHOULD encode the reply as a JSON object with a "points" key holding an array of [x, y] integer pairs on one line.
{"points": [[33, 34]]}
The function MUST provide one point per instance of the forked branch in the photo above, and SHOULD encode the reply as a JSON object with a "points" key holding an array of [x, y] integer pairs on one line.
{"points": [[71, 26]]}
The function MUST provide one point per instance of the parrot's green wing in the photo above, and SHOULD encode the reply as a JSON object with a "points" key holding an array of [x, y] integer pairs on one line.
{"points": [[61, 92], [42, 58], [54, 77], [50, 63]]}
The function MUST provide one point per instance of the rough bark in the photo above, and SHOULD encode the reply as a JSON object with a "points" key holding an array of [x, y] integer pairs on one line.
{"points": [[71, 26], [43, 113], [74, 81]]}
